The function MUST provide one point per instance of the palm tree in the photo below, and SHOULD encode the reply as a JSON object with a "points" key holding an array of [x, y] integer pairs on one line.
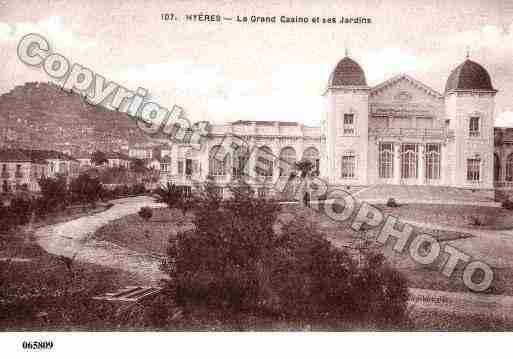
{"points": [[305, 168]]}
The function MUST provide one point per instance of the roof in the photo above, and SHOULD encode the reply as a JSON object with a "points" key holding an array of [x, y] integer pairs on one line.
{"points": [[347, 73], [469, 76], [13, 155], [265, 123], [116, 155], [392, 81]]}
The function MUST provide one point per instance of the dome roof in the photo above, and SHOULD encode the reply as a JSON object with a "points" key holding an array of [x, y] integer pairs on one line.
{"points": [[469, 76], [347, 73]]}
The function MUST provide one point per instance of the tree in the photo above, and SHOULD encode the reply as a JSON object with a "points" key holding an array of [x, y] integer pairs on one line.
{"points": [[304, 167], [237, 259], [85, 189], [175, 197], [145, 213], [99, 158], [54, 194], [138, 165]]}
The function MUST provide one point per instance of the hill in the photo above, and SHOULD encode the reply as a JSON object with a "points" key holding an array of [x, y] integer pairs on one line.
{"points": [[43, 116]]}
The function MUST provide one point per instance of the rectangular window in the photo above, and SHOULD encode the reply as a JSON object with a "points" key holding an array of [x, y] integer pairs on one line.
{"points": [[474, 127], [348, 124], [263, 192], [386, 160], [180, 167], [473, 169], [188, 167], [348, 166]]}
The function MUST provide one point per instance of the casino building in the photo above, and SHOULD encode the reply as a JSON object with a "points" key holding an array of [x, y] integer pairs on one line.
{"points": [[400, 132]]}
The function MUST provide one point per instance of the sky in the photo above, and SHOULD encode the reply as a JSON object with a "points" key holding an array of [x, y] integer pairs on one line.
{"points": [[227, 71]]}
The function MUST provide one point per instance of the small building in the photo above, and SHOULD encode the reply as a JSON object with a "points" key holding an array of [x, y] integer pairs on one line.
{"points": [[21, 169]]}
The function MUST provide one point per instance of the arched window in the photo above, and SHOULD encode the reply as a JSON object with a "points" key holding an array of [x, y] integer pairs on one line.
{"points": [[433, 161], [217, 161], [240, 160], [311, 154], [386, 160], [264, 162], [409, 156], [348, 165], [287, 161], [509, 168]]}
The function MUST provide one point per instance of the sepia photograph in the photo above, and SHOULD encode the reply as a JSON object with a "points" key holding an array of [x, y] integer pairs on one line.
{"points": [[179, 172]]}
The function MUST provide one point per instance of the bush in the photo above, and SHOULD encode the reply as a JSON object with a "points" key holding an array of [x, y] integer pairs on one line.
{"points": [[507, 204], [480, 220], [145, 213], [138, 189], [177, 197], [54, 194], [392, 203], [85, 189], [240, 258]]}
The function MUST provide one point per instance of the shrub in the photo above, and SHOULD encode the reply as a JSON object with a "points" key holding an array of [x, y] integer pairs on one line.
{"points": [[145, 213], [138, 189], [176, 197], [54, 193], [239, 258], [392, 203], [507, 204], [479, 220], [85, 189]]}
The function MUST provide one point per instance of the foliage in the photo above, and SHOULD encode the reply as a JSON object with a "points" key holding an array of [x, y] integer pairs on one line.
{"points": [[241, 258], [54, 194], [17, 213], [85, 189], [507, 204], [304, 167], [392, 203], [99, 158], [480, 220], [138, 165], [145, 213], [176, 197]]}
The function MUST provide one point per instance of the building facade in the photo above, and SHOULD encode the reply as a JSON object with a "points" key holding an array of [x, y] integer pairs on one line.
{"points": [[21, 169], [400, 131]]}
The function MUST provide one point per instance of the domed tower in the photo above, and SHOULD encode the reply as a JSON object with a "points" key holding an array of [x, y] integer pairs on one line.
{"points": [[469, 107], [346, 125]]}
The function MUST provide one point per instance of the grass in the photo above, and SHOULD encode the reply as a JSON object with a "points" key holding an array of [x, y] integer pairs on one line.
{"points": [[41, 292], [463, 216], [144, 236], [151, 236]]}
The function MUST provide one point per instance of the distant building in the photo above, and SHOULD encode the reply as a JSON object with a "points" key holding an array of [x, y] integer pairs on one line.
{"points": [[117, 159], [21, 169]]}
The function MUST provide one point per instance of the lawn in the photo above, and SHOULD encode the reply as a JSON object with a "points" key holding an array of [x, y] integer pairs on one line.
{"points": [[40, 291], [463, 216], [151, 237]]}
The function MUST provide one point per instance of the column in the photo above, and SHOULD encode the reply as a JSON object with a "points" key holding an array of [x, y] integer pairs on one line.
{"points": [[397, 163], [421, 164]]}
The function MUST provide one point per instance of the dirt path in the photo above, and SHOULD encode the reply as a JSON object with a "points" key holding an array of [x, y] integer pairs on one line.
{"points": [[74, 238]]}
